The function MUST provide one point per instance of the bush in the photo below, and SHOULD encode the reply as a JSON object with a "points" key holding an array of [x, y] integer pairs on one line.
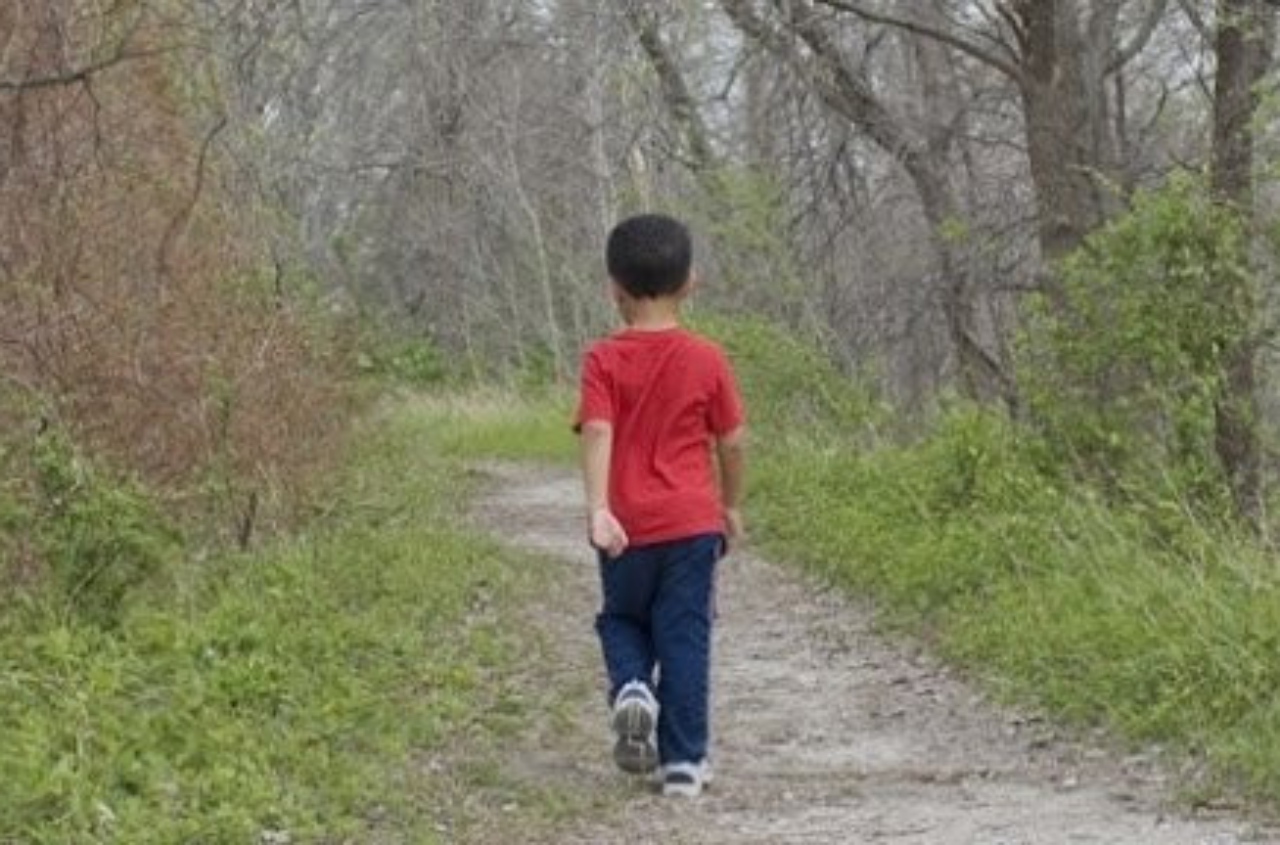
{"points": [[297, 692], [790, 388], [100, 538], [741, 216], [134, 298], [16, 519], [410, 361], [1122, 363]]}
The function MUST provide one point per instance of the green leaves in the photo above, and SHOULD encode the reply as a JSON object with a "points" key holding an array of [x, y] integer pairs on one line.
{"points": [[1121, 363], [287, 694], [408, 361], [102, 537], [791, 389]]}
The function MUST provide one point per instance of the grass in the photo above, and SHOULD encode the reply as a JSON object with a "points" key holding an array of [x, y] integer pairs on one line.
{"points": [[500, 425], [302, 689], [1154, 627]]}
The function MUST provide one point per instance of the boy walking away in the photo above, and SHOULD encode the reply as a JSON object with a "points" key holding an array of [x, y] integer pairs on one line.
{"points": [[660, 420]]}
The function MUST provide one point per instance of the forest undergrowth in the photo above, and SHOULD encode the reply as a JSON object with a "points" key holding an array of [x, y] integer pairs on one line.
{"points": [[350, 682]]}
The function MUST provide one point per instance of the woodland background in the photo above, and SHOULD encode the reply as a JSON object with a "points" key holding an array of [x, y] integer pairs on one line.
{"points": [[1016, 253]]}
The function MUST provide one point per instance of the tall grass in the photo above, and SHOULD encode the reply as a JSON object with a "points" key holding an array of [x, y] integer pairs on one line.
{"points": [[479, 424], [297, 690], [1158, 629]]}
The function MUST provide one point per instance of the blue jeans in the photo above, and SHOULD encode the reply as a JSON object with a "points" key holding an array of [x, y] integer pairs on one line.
{"points": [[657, 615]]}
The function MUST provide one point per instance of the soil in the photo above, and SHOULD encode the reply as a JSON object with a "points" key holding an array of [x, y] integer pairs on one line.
{"points": [[824, 731]]}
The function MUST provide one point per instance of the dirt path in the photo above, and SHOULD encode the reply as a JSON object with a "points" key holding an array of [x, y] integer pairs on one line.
{"points": [[824, 733]]}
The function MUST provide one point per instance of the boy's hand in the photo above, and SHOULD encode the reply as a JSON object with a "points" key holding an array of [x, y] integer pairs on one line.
{"points": [[735, 533], [607, 533]]}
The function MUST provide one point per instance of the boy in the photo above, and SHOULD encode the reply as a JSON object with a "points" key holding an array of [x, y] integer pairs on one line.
{"points": [[655, 401]]}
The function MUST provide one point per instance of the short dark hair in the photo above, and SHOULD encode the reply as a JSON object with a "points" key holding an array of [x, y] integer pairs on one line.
{"points": [[650, 255]]}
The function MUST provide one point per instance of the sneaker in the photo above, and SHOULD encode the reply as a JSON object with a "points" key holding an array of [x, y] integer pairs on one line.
{"points": [[685, 780], [635, 715], [659, 775]]}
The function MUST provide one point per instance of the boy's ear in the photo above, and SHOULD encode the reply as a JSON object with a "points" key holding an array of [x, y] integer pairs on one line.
{"points": [[691, 283]]}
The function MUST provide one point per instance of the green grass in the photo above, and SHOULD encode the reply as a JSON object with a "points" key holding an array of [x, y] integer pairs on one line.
{"points": [[1153, 626], [503, 426], [299, 689]]}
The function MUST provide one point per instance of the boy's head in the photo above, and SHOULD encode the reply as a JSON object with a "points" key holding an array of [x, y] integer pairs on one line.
{"points": [[650, 256]]}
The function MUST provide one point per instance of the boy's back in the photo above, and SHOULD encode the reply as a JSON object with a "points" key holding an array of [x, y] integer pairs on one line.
{"points": [[668, 394]]}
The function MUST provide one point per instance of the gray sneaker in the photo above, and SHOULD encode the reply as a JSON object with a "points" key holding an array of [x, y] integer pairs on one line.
{"points": [[635, 716], [685, 780]]}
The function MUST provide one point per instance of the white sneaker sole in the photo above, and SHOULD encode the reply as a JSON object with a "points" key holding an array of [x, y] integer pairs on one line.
{"points": [[633, 724], [682, 790], [700, 775]]}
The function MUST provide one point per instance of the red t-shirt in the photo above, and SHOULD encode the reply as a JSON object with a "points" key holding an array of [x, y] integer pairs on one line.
{"points": [[667, 393]]}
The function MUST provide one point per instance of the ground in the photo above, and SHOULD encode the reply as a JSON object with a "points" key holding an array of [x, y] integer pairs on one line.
{"points": [[824, 731]]}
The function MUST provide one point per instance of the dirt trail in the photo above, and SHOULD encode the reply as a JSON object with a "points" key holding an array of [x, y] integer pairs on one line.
{"points": [[823, 732]]}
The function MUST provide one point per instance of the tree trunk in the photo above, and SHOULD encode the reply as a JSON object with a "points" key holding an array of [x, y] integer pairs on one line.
{"points": [[679, 99], [1245, 30], [1069, 142]]}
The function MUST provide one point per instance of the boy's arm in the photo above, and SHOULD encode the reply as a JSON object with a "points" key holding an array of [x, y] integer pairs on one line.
{"points": [[595, 446], [731, 459]]}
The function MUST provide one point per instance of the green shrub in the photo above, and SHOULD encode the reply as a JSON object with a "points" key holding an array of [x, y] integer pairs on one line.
{"points": [[411, 361], [742, 215], [15, 521], [99, 537], [300, 689], [536, 370], [1135, 615], [1121, 363], [791, 389]]}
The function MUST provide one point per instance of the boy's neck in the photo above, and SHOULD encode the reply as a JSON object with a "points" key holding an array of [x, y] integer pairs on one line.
{"points": [[653, 315]]}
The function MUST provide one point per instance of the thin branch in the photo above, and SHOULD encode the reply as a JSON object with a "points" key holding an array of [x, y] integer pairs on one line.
{"points": [[1197, 19], [1009, 69], [179, 224], [999, 16], [1016, 25], [675, 90], [1141, 38], [81, 75]]}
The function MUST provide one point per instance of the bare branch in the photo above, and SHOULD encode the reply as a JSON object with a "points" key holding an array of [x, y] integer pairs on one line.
{"points": [[843, 91], [178, 225], [80, 75], [1197, 20], [971, 50], [1141, 38], [675, 90]]}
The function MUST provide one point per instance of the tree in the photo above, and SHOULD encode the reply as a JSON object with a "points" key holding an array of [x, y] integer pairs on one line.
{"points": [[1060, 55], [1245, 34], [645, 21], [803, 38]]}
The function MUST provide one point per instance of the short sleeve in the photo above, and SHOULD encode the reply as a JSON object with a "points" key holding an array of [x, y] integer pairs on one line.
{"points": [[725, 412], [595, 396]]}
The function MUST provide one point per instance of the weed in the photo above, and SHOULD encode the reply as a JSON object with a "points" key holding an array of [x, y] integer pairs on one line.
{"points": [[290, 690]]}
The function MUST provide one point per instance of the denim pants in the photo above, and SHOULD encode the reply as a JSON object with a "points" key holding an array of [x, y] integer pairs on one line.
{"points": [[656, 620]]}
